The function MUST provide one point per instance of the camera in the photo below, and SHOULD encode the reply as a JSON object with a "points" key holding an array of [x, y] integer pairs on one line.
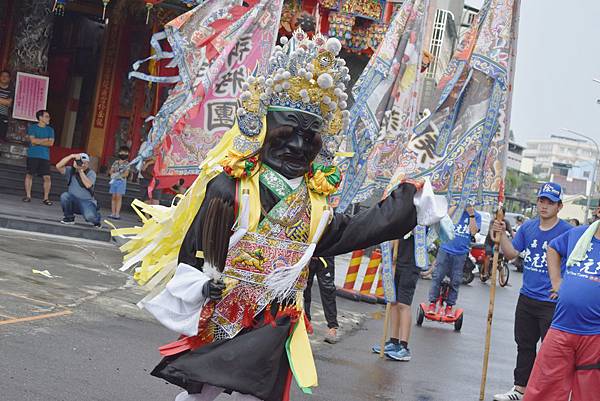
{"points": [[79, 162]]}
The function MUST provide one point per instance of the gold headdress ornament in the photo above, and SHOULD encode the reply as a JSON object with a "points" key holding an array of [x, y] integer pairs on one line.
{"points": [[303, 74]]}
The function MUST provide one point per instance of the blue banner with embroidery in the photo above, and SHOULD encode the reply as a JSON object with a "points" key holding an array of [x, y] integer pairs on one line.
{"points": [[462, 145], [385, 107]]}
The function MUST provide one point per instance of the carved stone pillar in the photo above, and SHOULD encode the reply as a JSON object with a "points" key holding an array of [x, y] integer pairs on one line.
{"points": [[31, 43], [33, 34], [3, 12]]}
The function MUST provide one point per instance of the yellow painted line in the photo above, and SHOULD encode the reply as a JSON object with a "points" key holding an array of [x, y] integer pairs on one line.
{"points": [[38, 317], [27, 298]]}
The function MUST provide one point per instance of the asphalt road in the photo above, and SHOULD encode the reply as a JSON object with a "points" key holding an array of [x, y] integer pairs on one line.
{"points": [[79, 336]]}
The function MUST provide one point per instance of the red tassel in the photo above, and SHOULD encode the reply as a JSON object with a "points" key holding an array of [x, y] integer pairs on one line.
{"points": [[248, 319], [269, 319], [308, 324], [234, 311]]}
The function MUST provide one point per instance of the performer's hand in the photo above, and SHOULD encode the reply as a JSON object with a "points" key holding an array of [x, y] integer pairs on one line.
{"points": [[499, 227], [213, 290], [418, 184]]}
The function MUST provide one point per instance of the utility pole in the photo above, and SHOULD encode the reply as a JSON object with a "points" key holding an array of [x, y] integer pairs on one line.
{"points": [[596, 160]]}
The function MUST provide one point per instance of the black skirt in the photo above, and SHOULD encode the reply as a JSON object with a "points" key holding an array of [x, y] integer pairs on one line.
{"points": [[253, 362]]}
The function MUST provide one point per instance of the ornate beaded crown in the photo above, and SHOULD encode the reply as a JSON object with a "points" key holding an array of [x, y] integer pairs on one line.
{"points": [[303, 74]]}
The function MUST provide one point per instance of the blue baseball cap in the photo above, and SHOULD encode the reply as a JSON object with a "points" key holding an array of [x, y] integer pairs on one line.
{"points": [[552, 191]]}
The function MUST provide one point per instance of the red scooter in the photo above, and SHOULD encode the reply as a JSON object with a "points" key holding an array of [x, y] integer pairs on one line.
{"points": [[439, 315]]}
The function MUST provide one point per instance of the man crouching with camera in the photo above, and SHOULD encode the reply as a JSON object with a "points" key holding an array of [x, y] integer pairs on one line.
{"points": [[79, 198]]}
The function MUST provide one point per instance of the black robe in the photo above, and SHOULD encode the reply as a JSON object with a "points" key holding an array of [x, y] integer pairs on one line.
{"points": [[255, 361]]}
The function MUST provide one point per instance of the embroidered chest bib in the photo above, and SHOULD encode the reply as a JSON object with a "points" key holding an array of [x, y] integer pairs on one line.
{"points": [[280, 241]]}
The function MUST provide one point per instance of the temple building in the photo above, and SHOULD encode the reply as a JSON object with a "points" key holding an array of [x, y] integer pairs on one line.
{"points": [[94, 106]]}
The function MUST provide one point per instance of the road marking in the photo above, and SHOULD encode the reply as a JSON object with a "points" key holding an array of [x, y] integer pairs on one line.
{"points": [[28, 299], [38, 317]]}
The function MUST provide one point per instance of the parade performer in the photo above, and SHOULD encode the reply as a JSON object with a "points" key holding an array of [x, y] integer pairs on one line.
{"points": [[568, 365], [406, 275], [451, 258], [535, 307], [239, 306]]}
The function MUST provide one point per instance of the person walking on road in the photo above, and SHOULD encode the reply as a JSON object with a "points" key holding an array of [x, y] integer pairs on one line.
{"points": [[451, 258], [79, 198], [569, 359], [41, 139], [324, 269], [535, 308], [406, 276]]}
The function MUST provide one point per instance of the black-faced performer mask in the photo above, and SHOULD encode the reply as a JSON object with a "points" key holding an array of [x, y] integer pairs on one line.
{"points": [[292, 142]]}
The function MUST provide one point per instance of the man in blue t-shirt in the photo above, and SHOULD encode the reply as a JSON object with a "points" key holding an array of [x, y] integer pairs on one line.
{"points": [[451, 258], [569, 360], [41, 138], [535, 307]]}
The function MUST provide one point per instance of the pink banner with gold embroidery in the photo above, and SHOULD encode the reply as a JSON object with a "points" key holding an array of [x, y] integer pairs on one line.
{"points": [[215, 46]]}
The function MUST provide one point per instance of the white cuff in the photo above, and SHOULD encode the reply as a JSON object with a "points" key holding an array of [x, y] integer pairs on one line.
{"points": [[178, 306], [431, 208]]}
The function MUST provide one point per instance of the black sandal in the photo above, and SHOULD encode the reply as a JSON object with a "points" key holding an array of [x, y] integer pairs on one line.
{"points": [[47, 202], [26, 199]]}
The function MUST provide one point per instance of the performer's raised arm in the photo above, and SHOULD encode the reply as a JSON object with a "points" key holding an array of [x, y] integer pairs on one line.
{"points": [[391, 218]]}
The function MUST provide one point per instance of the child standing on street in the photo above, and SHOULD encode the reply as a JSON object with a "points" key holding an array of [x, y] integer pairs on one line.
{"points": [[119, 172]]}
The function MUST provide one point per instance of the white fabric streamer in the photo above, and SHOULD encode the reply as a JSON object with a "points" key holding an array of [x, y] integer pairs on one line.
{"points": [[431, 208], [178, 306]]}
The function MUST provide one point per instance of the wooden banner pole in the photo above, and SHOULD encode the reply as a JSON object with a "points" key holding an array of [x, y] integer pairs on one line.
{"points": [[490, 316]]}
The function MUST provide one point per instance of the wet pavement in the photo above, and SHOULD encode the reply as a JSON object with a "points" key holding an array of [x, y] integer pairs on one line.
{"points": [[78, 335]]}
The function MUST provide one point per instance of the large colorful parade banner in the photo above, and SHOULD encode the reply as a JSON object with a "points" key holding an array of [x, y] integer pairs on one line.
{"points": [[215, 46], [385, 107], [462, 146]]}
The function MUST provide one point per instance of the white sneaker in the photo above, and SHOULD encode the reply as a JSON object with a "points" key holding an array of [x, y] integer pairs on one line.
{"points": [[510, 395]]}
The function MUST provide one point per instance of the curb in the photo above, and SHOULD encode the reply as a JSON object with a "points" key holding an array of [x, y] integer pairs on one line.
{"points": [[54, 228]]}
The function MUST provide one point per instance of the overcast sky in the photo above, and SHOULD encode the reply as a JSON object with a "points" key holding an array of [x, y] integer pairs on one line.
{"points": [[558, 55]]}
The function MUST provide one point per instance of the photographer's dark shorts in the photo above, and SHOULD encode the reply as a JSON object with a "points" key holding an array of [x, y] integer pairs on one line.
{"points": [[38, 167], [405, 280]]}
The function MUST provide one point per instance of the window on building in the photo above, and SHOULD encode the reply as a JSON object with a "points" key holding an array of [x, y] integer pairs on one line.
{"points": [[437, 40]]}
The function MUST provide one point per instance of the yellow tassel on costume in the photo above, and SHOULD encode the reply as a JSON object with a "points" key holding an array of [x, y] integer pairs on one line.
{"points": [[155, 245], [301, 358]]}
